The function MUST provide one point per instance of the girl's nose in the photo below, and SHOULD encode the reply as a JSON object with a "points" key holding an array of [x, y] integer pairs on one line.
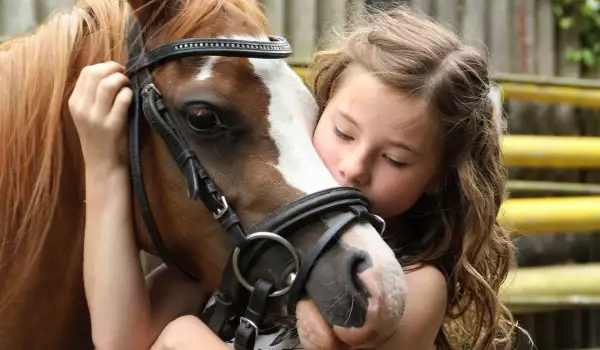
{"points": [[354, 169]]}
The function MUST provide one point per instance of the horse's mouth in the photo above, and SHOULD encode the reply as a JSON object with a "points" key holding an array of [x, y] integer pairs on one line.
{"points": [[276, 318]]}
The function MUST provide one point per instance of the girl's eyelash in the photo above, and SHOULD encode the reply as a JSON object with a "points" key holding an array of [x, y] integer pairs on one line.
{"points": [[346, 137], [342, 135], [394, 162]]}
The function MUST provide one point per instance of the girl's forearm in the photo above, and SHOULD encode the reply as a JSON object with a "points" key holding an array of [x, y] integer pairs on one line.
{"points": [[114, 281]]}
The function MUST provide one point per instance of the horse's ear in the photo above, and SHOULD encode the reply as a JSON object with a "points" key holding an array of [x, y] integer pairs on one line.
{"points": [[146, 9], [136, 4]]}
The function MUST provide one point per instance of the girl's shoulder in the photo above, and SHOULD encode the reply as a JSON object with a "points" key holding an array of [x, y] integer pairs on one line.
{"points": [[425, 308], [426, 276], [429, 270]]}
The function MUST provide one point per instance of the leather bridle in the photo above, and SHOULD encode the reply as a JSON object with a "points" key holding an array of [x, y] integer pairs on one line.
{"points": [[239, 305]]}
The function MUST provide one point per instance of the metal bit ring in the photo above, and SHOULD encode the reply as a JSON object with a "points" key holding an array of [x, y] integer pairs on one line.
{"points": [[270, 236]]}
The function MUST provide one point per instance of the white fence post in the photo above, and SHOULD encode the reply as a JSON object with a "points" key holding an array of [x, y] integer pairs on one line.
{"points": [[275, 12], [448, 13], [331, 16], [301, 29], [426, 6], [474, 23]]}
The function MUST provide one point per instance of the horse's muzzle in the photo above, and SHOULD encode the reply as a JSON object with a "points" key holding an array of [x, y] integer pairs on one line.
{"points": [[373, 289]]}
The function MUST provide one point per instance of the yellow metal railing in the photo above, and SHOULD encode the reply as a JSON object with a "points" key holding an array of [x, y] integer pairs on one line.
{"points": [[532, 88], [552, 287], [554, 188], [551, 151], [551, 94], [551, 214]]}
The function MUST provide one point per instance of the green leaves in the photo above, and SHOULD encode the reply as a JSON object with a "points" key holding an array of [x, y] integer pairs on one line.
{"points": [[584, 17]]}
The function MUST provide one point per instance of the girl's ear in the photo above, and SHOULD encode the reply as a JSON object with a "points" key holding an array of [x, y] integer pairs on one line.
{"points": [[434, 186], [438, 180]]}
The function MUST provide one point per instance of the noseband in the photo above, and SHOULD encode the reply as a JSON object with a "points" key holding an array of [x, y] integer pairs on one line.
{"points": [[239, 305]]}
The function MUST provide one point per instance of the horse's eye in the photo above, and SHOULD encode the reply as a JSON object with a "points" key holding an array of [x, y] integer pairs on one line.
{"points": [[204, 120]]}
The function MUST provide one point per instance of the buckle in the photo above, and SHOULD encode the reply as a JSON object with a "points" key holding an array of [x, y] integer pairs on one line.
{"points": [[224, 207], [247, 322], [381, 222], [147, 88]]}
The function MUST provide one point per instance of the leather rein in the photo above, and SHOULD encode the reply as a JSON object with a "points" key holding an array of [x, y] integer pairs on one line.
{"points": [[240, 305]]}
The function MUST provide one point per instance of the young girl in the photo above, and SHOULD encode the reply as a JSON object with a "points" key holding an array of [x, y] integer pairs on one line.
{"points": [[406, 118]]}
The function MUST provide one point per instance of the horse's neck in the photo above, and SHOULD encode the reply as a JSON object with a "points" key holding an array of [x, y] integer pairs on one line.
{"points": [[53, 281]]}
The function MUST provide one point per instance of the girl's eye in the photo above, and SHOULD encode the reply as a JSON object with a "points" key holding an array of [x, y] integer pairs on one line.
{"points": [[341, 135], [394, 162]]}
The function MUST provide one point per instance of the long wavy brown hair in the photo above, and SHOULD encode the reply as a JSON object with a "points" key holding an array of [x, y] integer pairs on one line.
{"points": [[455, 229]]}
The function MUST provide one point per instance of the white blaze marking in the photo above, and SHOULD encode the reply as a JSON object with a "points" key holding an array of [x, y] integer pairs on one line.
{"points": [[292, 119], [206, 71]]}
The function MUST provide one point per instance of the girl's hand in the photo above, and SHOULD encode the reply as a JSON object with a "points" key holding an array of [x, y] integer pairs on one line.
{"points": [[188, 333], [99, 105], [313, 330]]}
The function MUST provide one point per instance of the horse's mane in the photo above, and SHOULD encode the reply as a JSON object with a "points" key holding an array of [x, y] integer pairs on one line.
{"points": [[37, 73]]}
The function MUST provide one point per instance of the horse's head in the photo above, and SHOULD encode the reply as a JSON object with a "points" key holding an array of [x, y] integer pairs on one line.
{"points": [[248, 121]]}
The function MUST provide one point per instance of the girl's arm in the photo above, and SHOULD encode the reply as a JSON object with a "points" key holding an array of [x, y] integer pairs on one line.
{"points": [[115, 288], [113, 279], [124, 313]]}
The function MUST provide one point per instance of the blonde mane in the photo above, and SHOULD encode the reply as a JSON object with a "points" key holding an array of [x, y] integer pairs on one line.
{"points": [[37, 74]]}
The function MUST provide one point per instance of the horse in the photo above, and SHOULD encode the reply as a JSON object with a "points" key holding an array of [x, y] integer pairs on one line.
{"points": [[230, 125]]}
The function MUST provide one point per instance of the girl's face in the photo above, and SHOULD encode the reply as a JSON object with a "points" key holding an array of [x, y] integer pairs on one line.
{"points": [[380, 141]]}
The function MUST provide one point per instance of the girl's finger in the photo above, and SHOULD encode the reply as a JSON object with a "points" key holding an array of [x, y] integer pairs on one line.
{"points": [[119, 112], [314, 332], [108, 88], [87, 84]]}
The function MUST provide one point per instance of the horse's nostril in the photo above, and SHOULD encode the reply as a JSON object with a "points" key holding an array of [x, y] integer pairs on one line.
{"points": [[337, 289], [358, 262], [363, 263]]}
